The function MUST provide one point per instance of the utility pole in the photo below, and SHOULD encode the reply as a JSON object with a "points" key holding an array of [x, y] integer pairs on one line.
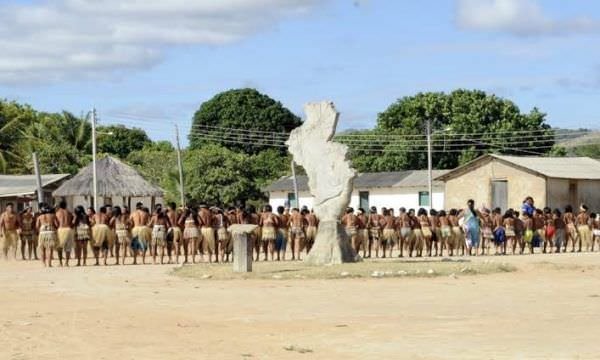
{"points": [[180, 165], [429, 165], [94, 174], [38, 178], [295, 185]]}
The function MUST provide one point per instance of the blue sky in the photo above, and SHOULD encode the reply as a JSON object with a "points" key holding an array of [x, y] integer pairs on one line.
{"points": [[154, 66]]}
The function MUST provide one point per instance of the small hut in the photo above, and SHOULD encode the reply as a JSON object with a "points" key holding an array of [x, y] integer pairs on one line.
{"points": [[118, 184]]}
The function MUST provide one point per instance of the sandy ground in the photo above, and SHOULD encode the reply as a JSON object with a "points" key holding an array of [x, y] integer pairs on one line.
{"points": [[549, 308]]}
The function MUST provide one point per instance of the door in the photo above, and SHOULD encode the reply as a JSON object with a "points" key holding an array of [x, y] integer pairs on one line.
{"points": [[500, 194], [363, 200]]}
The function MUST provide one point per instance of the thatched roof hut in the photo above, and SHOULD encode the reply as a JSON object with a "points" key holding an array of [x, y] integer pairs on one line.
{"points": [[115, 179]]}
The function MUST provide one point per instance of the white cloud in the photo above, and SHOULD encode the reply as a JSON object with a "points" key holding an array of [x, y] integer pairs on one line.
{"points": [[53, 40], [519, 17]]}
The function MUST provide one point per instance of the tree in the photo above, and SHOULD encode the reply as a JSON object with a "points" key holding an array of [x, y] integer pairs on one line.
{"points": [[62, 141], [156, 161], [13, 119], [465, 124], [121, 141], [245, 109]]}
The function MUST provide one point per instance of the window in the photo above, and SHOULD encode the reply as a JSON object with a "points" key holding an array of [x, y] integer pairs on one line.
{"points": [[292, 200], [363, 200], [423, 198]]}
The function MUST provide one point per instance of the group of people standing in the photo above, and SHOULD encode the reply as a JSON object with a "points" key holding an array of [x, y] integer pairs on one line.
{"points": [[471, 231], [203, 231]]}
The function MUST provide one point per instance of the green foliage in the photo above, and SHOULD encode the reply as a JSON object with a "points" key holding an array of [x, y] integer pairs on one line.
{"points": [[121, 141], [155, 162], [461, 112], [240, 109], [591, 150], [13, 119]]}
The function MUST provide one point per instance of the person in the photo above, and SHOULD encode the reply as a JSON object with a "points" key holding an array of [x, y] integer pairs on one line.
{"points": [[487, 233], [446, 239], [351, 224], [583, 228], [389, 235], [519, 231], [312, 223], [435, 232], [471, 226], [539, 228], [595, 221], [65, 232], [191, 234], [46, 225], [363, 232], [404, 224], [207, 234], [426, 232], [269, 222], [9, 231], [528, 207], [111, 235], [549, 230], [120, 223], [499, 231], [174, 232], [28, 235], [297, 224], [509, 229], [571, 235], [374, 228], [159, 224], [457, 232], [83, 234], [220, 225], [527, 234], [141, 234], [100, 236], [231, 220], [560, 231]]}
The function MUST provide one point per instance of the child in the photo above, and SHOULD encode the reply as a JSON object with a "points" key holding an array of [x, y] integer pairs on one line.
{"points": [[519, 230], [487, 224], [549, 230], [499, 233], [509, 229], [559, 234], [527, 234]]}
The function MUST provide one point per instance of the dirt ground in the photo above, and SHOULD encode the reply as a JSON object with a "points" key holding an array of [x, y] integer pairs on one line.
{"points": [[548, 308]]}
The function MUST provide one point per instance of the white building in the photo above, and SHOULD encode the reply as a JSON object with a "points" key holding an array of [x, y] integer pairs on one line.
{"points": [[407, 189]]}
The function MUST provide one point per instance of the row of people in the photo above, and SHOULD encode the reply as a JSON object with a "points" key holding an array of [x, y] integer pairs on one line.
{"points": [[470, 231]]}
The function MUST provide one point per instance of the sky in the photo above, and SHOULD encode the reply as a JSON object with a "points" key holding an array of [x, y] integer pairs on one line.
{"points": [[150, 64]]}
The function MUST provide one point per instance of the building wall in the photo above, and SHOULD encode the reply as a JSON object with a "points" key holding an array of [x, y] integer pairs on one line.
{"points": [[558, 193], [589, 193], [476, 184], [379, 197]]}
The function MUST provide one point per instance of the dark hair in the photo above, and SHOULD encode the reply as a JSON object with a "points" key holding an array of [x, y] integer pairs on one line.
{"points": [[584, 207], [497, 211], [81, 216], [422, 212], [172, 205], [268, 208], [139, 205], [509, 213], [349, 210], [453, 212], [146, 210], [557, 212], [361, 210], [373, 209], [442, 213], [117, 211], [568, 209], [9, 204], [471, 202], [433, 212], [280, 209], [547, 210], [92, 210], [538, 211], [62, 204], [402, 209], [103, 210], [593, 215]]}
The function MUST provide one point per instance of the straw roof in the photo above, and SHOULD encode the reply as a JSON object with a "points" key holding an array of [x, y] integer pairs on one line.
{"points": [[114, 179]]}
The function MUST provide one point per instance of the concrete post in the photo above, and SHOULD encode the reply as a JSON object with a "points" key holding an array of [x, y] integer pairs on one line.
{"points": [[242, 247]]}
